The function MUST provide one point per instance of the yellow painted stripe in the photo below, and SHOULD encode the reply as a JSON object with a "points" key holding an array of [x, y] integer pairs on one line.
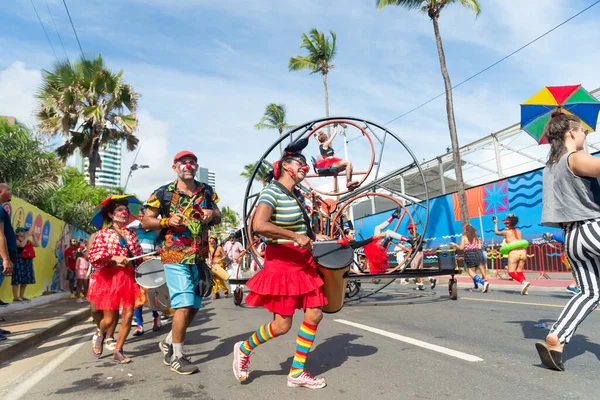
{"points": [[515, 302], [495, 301]]}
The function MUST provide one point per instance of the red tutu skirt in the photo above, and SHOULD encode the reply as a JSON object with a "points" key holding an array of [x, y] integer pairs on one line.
{"points": [[112, 288], [289, 281], [326, 162]]}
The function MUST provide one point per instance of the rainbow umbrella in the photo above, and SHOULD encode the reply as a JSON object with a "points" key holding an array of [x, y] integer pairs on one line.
{"points": [[573, 99], [134, 206]]}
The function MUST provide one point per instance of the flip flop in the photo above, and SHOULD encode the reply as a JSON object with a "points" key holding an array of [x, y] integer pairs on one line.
{"points": [[550, 358]]}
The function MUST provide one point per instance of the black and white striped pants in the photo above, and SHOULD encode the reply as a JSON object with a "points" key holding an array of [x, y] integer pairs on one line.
{"points": [[582, 247]]}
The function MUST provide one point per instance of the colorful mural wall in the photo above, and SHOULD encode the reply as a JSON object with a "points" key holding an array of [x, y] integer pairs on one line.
{"points": [[52, 234], [520, 195]]}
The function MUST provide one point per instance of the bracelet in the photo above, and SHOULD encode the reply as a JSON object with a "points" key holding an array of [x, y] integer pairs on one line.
{"points": [[164, 223]]}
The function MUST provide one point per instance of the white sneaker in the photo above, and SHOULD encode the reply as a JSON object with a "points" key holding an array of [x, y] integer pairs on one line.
{"points": [[486, 286], [525, 287], [307, 381], [241, 363]]}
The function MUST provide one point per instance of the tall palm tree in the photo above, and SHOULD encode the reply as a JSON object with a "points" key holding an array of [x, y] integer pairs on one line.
{"points": [[321, 53], [433, 8], [274, 118], [262, 175], [230, 219], [89, 105]]}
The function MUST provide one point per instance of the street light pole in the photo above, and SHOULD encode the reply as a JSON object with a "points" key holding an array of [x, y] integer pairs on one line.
{"points": [[134, 167]]}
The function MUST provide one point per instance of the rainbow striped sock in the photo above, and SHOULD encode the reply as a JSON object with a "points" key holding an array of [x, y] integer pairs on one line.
{"points": [[263, 334], [304, 341]]}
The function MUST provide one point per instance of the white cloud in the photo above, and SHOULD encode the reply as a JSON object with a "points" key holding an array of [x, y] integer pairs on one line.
{"points": [[153, 135], [205, 94], [18, 86]]}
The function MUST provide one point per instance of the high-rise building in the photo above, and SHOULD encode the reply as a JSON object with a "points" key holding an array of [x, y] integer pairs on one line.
{"points": [[109, 174], [207, 176]]}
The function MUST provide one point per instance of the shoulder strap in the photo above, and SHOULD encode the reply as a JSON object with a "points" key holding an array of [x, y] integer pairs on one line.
{"points": [[309, 231], [123, 241], [164, 197]]}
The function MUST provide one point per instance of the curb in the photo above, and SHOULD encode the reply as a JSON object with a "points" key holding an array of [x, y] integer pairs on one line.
{"points": [[16, 344], [36, 301]]}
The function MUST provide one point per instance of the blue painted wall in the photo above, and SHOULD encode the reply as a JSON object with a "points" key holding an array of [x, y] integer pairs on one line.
{"points": [[520, 195]]}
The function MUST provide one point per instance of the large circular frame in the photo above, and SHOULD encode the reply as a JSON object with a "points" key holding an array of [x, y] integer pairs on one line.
{"points": [[364, 174], [345, 198]]}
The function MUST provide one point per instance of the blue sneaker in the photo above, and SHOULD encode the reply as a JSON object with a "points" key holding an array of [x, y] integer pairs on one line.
{"points": [[573, 289], [2, 337]]}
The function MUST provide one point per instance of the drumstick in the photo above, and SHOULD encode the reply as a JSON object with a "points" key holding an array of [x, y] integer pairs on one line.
{"points": [[191, 203], [142, 256]]}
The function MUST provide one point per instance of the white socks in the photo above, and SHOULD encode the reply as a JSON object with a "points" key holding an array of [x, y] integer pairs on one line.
{"points": [[169, 338], [177, 350]]}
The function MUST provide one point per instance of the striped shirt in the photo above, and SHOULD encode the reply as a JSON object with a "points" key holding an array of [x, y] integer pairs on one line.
{"points": [[286, 212]]}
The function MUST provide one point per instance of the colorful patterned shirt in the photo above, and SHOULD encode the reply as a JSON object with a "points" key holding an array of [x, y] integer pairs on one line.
{"points": [[185, 245], [286, 211], [107, 243]]}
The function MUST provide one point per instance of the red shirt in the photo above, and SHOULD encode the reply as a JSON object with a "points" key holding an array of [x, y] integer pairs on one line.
{"points": [[70, 256]]}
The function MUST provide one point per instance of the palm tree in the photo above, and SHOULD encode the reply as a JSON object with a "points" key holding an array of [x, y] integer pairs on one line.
{"points": [[321, 53], [90, 106], [229, 219], [262, 175], [433, 8], [27, 164], [274, 118]]}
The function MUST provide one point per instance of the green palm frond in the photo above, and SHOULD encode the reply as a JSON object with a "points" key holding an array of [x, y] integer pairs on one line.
{"points": [[262, 175], [429, 7], [409, 4], [87, 97], [321, 52], [274, 118]]}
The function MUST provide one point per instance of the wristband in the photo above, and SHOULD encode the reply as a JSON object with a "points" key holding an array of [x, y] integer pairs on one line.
{"points": [[164, 223]]}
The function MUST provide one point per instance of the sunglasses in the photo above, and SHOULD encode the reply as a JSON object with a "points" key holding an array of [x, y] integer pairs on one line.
{"points": [[300, 162]]}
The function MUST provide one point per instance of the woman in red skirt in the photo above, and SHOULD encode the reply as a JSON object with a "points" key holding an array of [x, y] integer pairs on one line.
{"points": [[328, 159], [114, 283], [289, 280]]}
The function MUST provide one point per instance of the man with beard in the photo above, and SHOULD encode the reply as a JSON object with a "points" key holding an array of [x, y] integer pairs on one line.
{"points": [[187, 208]]}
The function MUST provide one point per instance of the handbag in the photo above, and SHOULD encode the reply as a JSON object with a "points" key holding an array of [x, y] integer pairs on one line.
{"points": [[28, 251]]}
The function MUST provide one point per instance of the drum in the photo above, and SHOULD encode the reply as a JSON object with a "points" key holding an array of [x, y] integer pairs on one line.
{"points": [[219, 272], [151, 276], [334, 262]]}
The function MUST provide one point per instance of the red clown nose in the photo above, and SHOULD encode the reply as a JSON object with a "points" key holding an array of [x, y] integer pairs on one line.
{"points": [[305, 169]]}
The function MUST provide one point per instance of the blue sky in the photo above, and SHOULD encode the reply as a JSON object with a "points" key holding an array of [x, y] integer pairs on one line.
{"points": [[206, 69]]}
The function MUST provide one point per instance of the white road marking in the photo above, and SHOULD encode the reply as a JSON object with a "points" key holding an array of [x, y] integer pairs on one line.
{"points": [[415, 342], [34, 379]]}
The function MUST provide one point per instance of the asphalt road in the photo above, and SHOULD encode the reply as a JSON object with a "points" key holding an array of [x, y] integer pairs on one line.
{"points": [[399, 344]]}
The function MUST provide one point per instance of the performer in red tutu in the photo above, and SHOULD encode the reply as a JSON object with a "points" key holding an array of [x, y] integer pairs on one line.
{"points": [[328, 159], [114, 283], [289, 279]]}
